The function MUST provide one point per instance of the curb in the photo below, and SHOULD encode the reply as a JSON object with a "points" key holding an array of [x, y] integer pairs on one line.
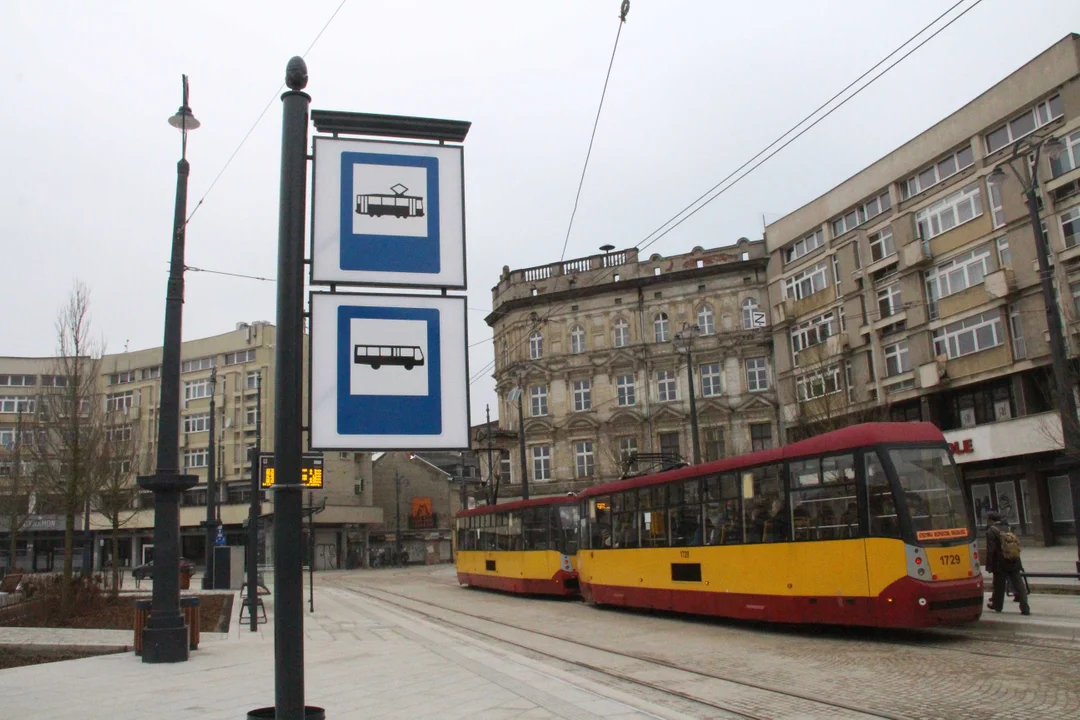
{"points": [[60, 648]]}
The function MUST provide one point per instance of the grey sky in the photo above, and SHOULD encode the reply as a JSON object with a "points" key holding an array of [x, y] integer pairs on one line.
{"points": [[697, 88]]}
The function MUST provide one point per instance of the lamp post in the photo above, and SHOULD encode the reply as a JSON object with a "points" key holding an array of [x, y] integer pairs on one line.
{"points": [[518, 395], [1070, 430], [211, 492], [165, 638], [683, 342]]}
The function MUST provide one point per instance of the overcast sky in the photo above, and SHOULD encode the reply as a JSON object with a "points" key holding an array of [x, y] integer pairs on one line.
{"points": [[697, 88]]}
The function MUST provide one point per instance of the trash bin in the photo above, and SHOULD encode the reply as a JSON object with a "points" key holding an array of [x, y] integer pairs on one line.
{"points": [[190, 607], [185, 580], [142, 612], [268, 713]]}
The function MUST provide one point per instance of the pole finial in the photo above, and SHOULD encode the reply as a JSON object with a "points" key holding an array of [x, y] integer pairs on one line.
{"points": [[296, 73]]}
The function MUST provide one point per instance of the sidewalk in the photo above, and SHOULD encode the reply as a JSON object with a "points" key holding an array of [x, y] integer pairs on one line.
{"points": [[1054, 559], [362, 659]]}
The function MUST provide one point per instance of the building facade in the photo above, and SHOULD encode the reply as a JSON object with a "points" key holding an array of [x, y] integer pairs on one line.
{"points": [[911, 292], [241, 365], [418, 500], [588, 346]]}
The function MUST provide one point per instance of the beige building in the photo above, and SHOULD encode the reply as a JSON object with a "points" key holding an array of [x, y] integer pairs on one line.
{"points": [[589, 344], [129, 390], [911, 291]]}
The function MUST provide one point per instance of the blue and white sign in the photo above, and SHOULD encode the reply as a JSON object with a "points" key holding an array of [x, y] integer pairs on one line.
{"points": [[388, 213], [388, 372]]}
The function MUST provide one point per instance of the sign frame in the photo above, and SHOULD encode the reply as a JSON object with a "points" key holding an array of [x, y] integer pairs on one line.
{"points": [[373, 442], [315, 458], [324, 270]]}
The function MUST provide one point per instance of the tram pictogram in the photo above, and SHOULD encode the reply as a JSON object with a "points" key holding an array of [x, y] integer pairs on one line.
{"points": [[397, 205]]}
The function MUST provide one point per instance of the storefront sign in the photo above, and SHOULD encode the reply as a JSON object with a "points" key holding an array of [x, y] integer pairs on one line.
{"points": [[962, 447]]}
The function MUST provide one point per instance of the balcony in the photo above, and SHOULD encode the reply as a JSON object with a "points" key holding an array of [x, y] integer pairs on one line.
{"points": [[915, 254]]}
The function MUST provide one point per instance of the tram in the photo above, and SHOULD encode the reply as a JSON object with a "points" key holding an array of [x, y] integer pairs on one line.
{"points": [[525, 547], [397, 205], [860, 526]]}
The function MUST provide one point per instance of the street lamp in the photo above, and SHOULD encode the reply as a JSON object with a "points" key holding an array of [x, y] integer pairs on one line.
{"points": [[517, 395], [165, 638], [683, 342], [1070, 430]]}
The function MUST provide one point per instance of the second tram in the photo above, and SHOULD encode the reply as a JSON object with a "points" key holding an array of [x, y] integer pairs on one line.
{"points": [[860, 526]]}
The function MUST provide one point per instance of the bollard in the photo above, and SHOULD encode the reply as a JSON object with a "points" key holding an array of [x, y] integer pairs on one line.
{"points": [[190, 607], [142, 612]]}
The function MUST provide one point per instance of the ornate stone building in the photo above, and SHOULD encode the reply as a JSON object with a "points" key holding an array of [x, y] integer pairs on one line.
{"points": [[589, 344]]}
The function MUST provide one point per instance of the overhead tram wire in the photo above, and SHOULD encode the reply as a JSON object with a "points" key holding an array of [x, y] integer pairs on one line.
{"points": [[625, 8], [802, 132], [259, 119], [539, 322]]}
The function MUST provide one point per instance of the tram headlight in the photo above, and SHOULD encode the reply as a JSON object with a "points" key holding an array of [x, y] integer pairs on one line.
{"points": [[922, 602]]}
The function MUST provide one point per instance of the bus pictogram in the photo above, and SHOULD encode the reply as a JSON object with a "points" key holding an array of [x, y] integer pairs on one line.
{"points": [[408, 356], [397, 205]]}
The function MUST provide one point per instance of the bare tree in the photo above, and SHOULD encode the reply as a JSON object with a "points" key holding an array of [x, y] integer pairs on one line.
{"points": [[70, 424], [114, 479], [822, 396], [17, 486]]}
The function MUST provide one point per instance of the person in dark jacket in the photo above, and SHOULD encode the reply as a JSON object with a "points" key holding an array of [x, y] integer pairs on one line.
{"points": [[1004, 569]]}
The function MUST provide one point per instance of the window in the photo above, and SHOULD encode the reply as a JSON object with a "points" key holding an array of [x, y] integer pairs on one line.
{"points": [[195, 458], [808, 244], [621, 329], [749, 309], [119, 401], [713, 440], [760, 436], [970, 335], [577, 340], [198, 364], [627, 453], [896, 358], [805, 283], [818, 384], [624, 388], [151, 372], [823, 499], [195, 389], [849, 379], [889, 300], [812, 332], [956, 275], [582, 395], [960, 207], [660, 327], [1070, 227], [1069, 160], [705, 320], [757, 374], [538, 405], [665, 385], [251, 415], [1075, 289], [584, 459], [19, 380], [669, 445], [836, 274], [243, 356], [196, 423], [882, 245], [536, 346], [844, 223], [711, 379], [54, 381], [938, 172], [1024, 124], [868, 210], [997, 208], [121, 378], [16, 404], [505, 469], [251, 381], [118, 433], [541, 462], [1016, 330], [1004, 256]]}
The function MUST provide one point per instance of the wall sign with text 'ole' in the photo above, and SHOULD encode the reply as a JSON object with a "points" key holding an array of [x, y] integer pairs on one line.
{"points": [[311, 472]]}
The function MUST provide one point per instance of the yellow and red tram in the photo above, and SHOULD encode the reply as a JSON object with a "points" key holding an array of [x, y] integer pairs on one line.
{"points": [[525, 547], [861, 526]]}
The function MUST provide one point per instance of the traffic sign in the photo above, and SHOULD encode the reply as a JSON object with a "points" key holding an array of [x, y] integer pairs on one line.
{"points": [[220, 539], [388, 213], [388, 372]]}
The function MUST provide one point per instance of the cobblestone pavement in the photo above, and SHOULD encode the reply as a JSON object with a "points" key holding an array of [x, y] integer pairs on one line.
{"points": [[920, 675]]}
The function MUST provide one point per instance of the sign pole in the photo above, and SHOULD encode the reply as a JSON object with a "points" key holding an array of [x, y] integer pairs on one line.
{"points": [[311, 550], [288, 406], [254, 510]]}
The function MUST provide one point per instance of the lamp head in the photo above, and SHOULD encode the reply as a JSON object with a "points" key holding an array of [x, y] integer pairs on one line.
{"points": [[997, 177], [184, 120], [1053, 148]]}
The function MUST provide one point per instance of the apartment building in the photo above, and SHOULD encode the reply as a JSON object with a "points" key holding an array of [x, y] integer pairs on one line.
{"points": [[588, 346], [911, 292], [234, 368]]}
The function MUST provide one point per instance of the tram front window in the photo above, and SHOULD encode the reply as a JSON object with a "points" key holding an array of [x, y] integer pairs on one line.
{"points": [[569, 521], [931, 490]]}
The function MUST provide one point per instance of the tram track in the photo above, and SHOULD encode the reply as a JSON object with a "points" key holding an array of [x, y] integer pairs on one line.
{"points": [[826, 707]]}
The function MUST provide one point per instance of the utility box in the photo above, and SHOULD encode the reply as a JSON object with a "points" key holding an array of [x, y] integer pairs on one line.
{"points": [[228, 567]]}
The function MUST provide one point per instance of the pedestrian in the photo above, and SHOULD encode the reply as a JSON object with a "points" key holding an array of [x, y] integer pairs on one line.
{"points": [[1003, 560]]}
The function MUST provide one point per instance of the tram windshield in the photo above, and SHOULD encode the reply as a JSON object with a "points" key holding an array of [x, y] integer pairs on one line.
{"points": [[569, 522], [932, 492]]}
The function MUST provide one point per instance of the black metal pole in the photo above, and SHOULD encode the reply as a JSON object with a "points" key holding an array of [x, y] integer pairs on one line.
{"points": [[693, 401], [493, 483], [254, 510], [311, 551], [211, 490], [289, 403], [521, 445], [88, 546], [1070, 431], [165, 638], [397, 518]]}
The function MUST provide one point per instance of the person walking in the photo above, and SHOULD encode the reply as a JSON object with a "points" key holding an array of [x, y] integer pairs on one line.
{"points": [[1003, 560]]}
